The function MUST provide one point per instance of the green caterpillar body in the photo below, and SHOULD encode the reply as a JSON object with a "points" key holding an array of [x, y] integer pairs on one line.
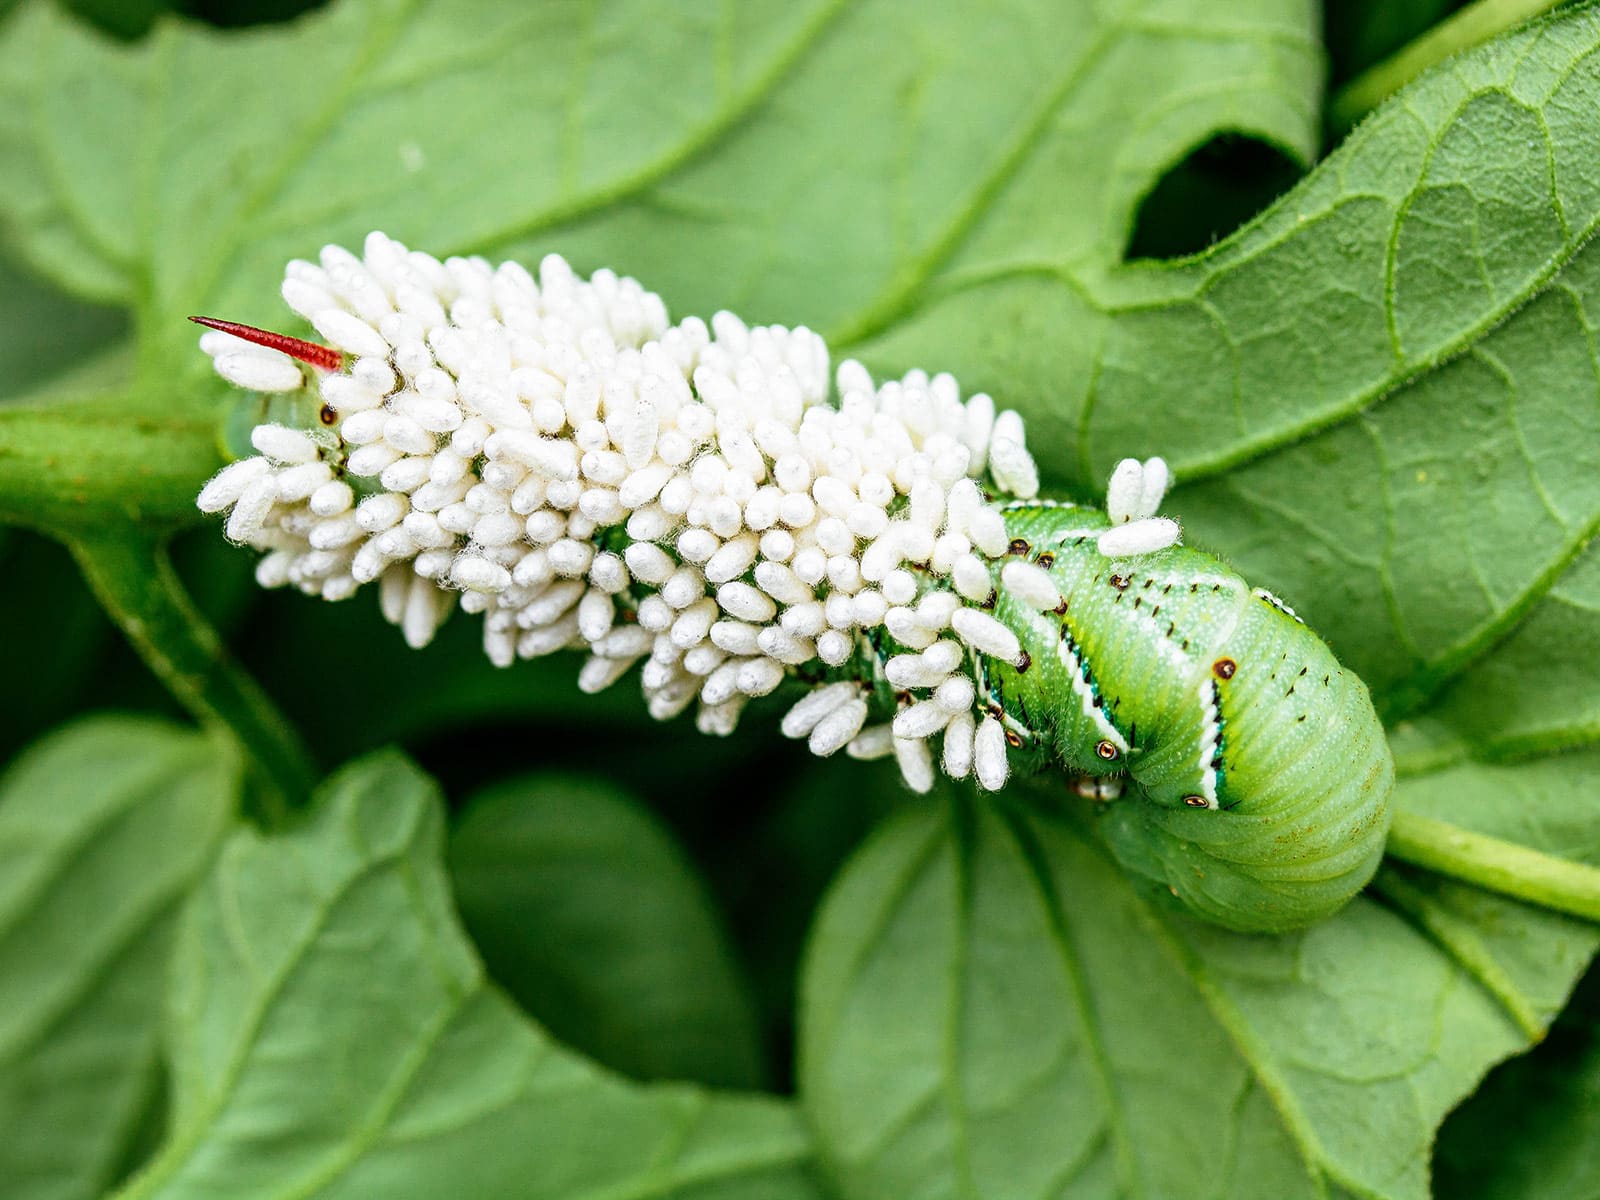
{"points": [[1255, 772]]}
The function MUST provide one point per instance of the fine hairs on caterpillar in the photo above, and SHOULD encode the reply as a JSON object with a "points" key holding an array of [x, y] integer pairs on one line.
{"points": [[554, 455]]}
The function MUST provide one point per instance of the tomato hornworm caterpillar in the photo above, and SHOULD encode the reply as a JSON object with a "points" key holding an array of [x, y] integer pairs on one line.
{"points": [[554, 455]]}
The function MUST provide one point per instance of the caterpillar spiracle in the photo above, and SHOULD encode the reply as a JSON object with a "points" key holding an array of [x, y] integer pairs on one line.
{"points": [[553, 454]]}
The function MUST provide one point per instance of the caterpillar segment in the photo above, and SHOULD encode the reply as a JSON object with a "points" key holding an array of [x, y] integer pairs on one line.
{"points": [[1249, 773], [714, 510]]}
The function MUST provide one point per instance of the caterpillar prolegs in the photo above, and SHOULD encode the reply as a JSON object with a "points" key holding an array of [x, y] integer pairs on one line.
{"points": [[697, 501]]}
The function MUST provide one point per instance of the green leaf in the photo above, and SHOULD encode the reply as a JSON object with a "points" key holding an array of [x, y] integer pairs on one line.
{"points": [[587, 912], [1383, 419], [991, 1009], [105, 826], [1472, 761], [1535, 694], [1528, 956], [332, 1033]]}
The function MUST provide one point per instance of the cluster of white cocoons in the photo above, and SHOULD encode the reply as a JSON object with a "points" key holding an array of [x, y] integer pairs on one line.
{"points": [[1132, 500], [553, 454]]}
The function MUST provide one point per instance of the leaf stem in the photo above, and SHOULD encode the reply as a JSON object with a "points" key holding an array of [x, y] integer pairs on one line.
{"points": [[70, 465], [132, 576], [1500, 866], [1467, 28]]}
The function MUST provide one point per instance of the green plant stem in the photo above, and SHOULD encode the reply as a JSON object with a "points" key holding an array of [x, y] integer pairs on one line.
{"points": [[1500, 866], [133, 578], [68, 466], [1472, 25]]}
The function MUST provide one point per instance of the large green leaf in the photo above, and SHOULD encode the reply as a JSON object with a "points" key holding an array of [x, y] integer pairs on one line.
{"points": [[991, 1009], [105, 826], [1363, 428], [588, 913], [331, 1033], [1535, 694]]}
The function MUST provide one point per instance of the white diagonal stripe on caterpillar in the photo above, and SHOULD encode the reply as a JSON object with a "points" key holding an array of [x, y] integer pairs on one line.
{"points": [[1210, 739], [1089, 701]]}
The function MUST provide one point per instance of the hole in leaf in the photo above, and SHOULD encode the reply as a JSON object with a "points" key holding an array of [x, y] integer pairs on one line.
{"points": [[1209, 194]]}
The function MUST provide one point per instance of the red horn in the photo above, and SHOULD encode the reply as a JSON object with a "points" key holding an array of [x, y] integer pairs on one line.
{"points": [[325, 358]]}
